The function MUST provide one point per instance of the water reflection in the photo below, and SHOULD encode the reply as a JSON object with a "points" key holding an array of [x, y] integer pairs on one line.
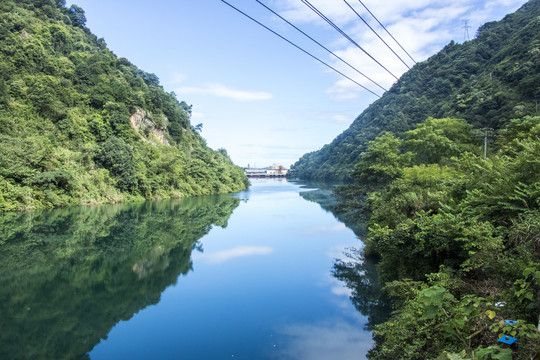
{"points": [[68, 276], [361, 277], [323, 194], [357, 272], [332, 339], [222, 256]]}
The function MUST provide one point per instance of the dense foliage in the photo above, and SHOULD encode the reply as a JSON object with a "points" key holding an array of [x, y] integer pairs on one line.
{"points": [[445, 174], [485, 81], [457, 237], [78, 125]]}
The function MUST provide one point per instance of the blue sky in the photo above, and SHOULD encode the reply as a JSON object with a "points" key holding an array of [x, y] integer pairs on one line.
{"points": [[257, 96]]}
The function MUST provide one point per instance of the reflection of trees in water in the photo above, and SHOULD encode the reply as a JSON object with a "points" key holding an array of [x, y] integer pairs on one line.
{"points": [[68, 276], [324, 196], [358, 273]]}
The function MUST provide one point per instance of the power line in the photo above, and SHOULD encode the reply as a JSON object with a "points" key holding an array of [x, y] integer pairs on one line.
{"points": [[308, 4], [299, 48], [380, 38], [321, 45], [388, 32]]}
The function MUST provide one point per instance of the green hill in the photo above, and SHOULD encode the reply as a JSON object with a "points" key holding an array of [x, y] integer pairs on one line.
{"points": [[79, 125], [455, 233], [485, 81]]}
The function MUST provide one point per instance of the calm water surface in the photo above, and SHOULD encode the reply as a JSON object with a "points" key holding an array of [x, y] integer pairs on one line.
{"points": [[242, 276]]}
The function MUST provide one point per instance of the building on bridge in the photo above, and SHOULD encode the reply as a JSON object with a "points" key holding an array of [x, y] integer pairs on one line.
{"points": [[274, 170]]}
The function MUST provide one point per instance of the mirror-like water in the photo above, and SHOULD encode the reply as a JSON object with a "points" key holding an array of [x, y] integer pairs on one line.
{"points": [[242, 276]]}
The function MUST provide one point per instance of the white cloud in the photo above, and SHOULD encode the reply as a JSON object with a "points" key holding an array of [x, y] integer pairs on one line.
{"points": [[297, 12], [421, 26], [227, 92], [328, 117], [341, 118], [494, 3], [344, 90], [178, 77], [196, 115], [222, 256]]}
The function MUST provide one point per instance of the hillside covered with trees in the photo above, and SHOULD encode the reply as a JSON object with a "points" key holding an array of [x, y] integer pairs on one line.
{"points": [[486, 81], [456, 237], [79, 125], [455, 233]]}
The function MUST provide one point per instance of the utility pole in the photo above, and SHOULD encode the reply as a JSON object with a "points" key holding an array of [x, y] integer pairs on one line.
{"points": [[485, 135], [485, 145]]}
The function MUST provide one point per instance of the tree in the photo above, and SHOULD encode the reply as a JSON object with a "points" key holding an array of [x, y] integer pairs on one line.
{"points": [[77, 16], [60, 81], [117, 157], [381, 163], [438, 139], [198, 127]]}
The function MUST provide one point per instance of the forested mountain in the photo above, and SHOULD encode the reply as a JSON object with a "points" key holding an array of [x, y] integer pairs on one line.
{"points": [[485, 81], [79, 125], [455, 231]]}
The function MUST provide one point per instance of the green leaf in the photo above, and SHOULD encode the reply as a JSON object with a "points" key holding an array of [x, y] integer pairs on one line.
{"points": [[494, 352], [491, 314], [429, 312]]}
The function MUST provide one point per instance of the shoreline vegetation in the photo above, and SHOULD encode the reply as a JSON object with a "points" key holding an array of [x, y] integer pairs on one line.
{"points": [[450, 199], [81, 126], [456, 233], [456, 239]]}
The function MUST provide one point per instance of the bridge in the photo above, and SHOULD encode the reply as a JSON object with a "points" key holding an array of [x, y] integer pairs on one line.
{"points": [[274, 170]]}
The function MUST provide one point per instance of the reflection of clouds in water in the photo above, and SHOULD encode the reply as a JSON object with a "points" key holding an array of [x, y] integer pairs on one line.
{"points": [[222, 256], [328, 340], [342, 251], [332, 228], [337, 287], [340, 289]]}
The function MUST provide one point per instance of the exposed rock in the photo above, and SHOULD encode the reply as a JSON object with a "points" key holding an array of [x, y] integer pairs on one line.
{"points": [[139, 120]]}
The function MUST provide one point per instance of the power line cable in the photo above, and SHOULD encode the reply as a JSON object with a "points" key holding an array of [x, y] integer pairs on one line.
{"points": [[299, 48], [388, 32], [373, 30], [321, 45], [308, 4]]}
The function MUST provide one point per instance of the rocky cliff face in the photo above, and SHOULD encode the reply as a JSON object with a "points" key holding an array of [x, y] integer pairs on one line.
{"points": [[148, 129]]}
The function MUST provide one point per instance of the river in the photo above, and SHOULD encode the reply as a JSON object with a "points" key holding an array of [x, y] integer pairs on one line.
{"points": [[250, 275]]}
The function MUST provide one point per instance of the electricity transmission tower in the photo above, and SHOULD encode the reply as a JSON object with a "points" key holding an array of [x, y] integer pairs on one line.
{"points": [[466, 28]]}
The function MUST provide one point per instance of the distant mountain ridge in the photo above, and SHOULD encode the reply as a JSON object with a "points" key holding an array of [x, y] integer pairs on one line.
{"points": [[486, 81], [79, 125]]}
